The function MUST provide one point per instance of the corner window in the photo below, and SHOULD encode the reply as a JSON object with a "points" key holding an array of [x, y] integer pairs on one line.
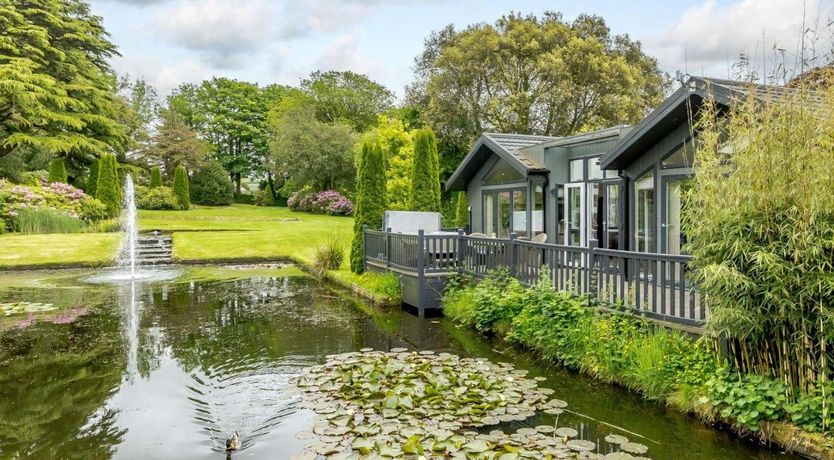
{"points": [[577, 170], [594, 171]]}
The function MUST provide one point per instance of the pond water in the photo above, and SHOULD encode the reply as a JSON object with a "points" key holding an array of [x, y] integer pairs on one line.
{"points": [[169, 369]]}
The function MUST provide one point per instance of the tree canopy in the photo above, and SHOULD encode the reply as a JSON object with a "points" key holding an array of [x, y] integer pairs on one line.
{"points": [[57, 91], [347, 97], [532, 75], [174, 143], [312, 152]]}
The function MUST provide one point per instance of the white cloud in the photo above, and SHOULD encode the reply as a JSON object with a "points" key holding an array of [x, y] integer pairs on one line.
{"points": [[711, 36], [224, 31], [343, 54], [164, 76]]}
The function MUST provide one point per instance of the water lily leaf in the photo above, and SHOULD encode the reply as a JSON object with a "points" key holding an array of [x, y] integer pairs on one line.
{"points": [[616, 439], [476, 446], [634, 448], [566, 432], [580, 445]]}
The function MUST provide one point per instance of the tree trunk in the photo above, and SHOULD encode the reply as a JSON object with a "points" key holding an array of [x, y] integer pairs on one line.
{"points": [[271, 186], [237, 182]]}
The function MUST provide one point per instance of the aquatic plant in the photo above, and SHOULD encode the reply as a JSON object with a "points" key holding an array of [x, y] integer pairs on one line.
{"points": [[401, 403]]}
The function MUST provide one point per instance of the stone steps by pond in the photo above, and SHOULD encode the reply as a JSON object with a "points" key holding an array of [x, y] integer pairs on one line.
{"points": [[154, 249]]}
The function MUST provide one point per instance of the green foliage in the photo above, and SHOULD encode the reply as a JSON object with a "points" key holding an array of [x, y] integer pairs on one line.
{"points": [[578, 77], [347, 97], [497, 300], [425, 176], [461, 210], [398, 148], [181, 188], [57, 171], [371, 201], [329, 256], [92, 178], [108, 188], [156, 177], [312, 152], [174, 144], [160, 198], [211, 186], [386, 284], [814, 411], [46, 220], [56, 88], [761, 228], [747, 399]]}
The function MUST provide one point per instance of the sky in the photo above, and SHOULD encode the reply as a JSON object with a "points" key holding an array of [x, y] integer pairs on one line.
{"points": [[169, 42]]}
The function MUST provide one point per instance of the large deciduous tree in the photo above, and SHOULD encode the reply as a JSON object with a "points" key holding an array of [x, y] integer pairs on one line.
{"points": [[174, 143], [347, 97], [57, 91], [532, 75], [312, 152]]}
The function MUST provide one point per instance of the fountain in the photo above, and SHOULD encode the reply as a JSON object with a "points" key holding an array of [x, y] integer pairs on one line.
{"points": [[128, 266]]}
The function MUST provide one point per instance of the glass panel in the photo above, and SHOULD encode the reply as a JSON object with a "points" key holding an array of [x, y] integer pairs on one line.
{"points": [[612, 216], [675, 238], [538, 210], [577, 171], [504, 215], [502, 173], [560, 214], [594, 172], [611, 174], [574, 223], [645, 213], [520, 212], [683, 157], [595, 208], [489, 214]]}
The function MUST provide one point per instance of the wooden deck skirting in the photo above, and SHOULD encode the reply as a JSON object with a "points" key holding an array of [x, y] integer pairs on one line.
{"points": [[657, 286]]}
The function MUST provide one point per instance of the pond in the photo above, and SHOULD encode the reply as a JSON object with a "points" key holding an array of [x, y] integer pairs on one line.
{"points": [[169, 369]]}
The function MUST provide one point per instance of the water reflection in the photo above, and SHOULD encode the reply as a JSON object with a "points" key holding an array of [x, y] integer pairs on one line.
{"points": [[171, 369]]}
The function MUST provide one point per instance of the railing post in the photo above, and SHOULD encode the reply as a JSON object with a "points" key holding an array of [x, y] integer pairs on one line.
{"points": [[421, 272], [513, 255], [461, 249], [388, 248]]}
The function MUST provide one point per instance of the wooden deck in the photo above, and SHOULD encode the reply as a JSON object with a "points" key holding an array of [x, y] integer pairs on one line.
{"points": [[653, 285]]}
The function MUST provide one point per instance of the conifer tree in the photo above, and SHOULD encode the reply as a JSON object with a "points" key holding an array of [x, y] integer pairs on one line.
{"points": [[181, 188], [425, 177], [156, 177], [371, 201], [92, 180], [108, 189], [57, 171], [462, 210]]}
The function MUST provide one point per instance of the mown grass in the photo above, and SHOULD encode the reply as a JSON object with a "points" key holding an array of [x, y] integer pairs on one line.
{"points": [[222, 233]]}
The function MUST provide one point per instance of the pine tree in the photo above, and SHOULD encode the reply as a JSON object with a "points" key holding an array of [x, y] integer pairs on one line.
{"points": [[181, 188], [425, 177], [92, 180], [108, 190], [371, 201], [462, 210], [156, 177], [57, 171]]}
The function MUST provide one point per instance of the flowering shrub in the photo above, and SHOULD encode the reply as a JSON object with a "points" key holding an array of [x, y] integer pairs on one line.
{"points": [[57, 196], [327, 202]]}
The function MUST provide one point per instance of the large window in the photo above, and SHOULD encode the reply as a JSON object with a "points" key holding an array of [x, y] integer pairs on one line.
{"points": [[504, 215], [577, 170], [645, 223], [489, 214], [612, 217], [675, 238], [538, 210], [682, 157], [519, 218], [502, 173]]}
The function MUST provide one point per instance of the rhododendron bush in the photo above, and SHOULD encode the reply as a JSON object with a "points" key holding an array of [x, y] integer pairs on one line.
{"points": [[57, 196], [327, 202]]}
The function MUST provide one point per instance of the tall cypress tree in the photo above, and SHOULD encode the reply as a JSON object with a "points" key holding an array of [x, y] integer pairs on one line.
{"points": [[57, 171], [156, 177], [181, 188], [371, 201], [462, 210], [92, 180], [425, 176], [108, 189]]}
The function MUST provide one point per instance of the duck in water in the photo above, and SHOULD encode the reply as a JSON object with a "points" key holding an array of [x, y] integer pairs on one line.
{"points": [[233, 442]]}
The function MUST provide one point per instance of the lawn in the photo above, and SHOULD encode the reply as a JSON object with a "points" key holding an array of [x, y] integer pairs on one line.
{"points": [[227, 233]]}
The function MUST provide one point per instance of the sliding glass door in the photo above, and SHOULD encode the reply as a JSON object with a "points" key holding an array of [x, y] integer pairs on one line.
{"points": [[673, 237], [575, 215], [644, 223]]}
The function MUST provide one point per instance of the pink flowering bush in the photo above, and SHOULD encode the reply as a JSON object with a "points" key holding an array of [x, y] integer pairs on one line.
{"points": [[57, 196], [328, 202]]}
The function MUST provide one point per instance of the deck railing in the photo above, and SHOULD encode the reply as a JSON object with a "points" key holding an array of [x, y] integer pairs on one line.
{"points": [[656, 285]]}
